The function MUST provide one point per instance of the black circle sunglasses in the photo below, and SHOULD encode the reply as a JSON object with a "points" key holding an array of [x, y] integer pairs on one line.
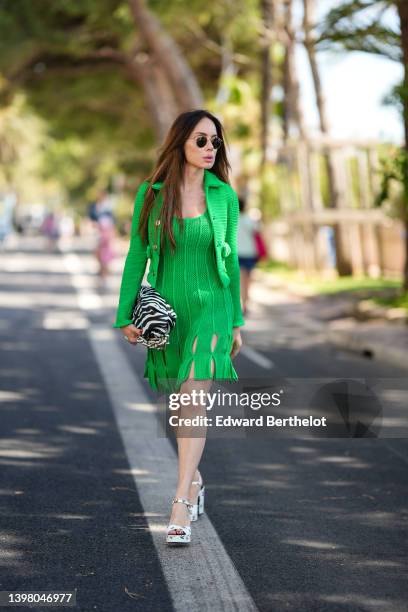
{"points": [[201, 141]]}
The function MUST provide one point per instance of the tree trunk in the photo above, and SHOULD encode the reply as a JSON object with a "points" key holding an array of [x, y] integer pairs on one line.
{"points": [[228, 69], [267, 9], [403, 17], [286, 105], [184, 84], [342, 264], [293, 117], [294, 110], [150, 77]]}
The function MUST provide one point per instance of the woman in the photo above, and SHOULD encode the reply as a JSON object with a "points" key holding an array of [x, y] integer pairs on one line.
{"points": [[50, 228], [247, 252], [192, 247], [105, 250]]}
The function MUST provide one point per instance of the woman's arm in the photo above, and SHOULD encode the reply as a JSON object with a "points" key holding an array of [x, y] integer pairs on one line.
{"points": [[135, 265], [231, 262]]}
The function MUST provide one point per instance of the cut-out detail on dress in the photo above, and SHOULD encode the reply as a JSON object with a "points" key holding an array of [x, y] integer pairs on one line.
{"points": [[213, 345], [211, 358], [193, 350], [203, 360]]}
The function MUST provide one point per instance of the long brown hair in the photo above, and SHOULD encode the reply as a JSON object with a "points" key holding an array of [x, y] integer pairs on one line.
{"points": [[169, 168]]}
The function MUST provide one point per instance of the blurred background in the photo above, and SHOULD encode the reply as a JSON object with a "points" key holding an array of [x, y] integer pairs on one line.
{"points": [[313, 95]]}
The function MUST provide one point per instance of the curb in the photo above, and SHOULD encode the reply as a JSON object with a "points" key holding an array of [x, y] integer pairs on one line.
{"points": [[349, 340], [371, 310]]}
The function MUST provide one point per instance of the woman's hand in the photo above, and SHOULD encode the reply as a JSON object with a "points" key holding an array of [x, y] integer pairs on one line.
{"points": [[236, 342], [131, 332]]}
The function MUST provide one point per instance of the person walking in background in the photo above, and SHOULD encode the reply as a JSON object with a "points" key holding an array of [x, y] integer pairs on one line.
{"points": [[50, 229], [247, 250], [100, 212], [105, 250]]}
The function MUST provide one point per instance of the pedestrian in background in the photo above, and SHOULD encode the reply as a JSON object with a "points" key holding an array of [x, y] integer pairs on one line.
{"points": [[105, 250], [50, 229], [247, 250], [100, 212]]}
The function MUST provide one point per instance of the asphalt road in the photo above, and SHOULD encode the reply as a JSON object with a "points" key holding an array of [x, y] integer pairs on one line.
{"points": [[306, 523]]}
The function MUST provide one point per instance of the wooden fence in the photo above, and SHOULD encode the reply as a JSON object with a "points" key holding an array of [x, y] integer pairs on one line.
{"points": [[302, 235]]}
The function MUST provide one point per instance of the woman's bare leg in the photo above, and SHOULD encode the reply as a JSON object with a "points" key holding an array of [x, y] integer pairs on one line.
{"points": [[190, 443]]}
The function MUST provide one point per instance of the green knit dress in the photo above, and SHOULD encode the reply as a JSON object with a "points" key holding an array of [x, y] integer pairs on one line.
{"points": [[189, 281]]}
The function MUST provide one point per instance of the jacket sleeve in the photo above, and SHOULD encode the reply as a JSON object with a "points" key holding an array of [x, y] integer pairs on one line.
{"points": [[231, 262], [135, 265]]}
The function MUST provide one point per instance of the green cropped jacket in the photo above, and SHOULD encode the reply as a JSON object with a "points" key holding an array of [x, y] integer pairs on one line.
{"points": [[223, 208]]}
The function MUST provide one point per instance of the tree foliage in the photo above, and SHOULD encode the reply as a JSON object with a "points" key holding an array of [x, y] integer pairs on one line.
{"points": [[359, 25], [66, 58]]}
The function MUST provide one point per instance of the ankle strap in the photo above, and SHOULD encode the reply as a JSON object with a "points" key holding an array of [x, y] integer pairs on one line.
{"points": [[182, 500]]}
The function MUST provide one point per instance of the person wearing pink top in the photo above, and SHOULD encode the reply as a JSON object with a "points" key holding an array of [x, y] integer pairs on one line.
{"points": [[105, 250]]}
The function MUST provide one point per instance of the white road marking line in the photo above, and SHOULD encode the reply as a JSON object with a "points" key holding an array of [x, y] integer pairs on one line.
{"points": [[256, 357], [394, 450], [201, 576], [87, 297]]}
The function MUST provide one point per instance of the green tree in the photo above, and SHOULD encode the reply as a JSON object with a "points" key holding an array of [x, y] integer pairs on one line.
{"points": [[104, 72]]}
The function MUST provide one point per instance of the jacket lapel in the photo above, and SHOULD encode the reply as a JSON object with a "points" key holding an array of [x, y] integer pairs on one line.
{"points": [[211, 182], [155, 230], [211, 185]]}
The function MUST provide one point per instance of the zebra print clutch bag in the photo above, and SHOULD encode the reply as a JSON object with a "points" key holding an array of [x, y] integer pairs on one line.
{"points": [[155, 316]]}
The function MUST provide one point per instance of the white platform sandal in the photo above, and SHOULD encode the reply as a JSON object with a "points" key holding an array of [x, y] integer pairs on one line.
{"points": [[198, 507], [185, 536]]}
